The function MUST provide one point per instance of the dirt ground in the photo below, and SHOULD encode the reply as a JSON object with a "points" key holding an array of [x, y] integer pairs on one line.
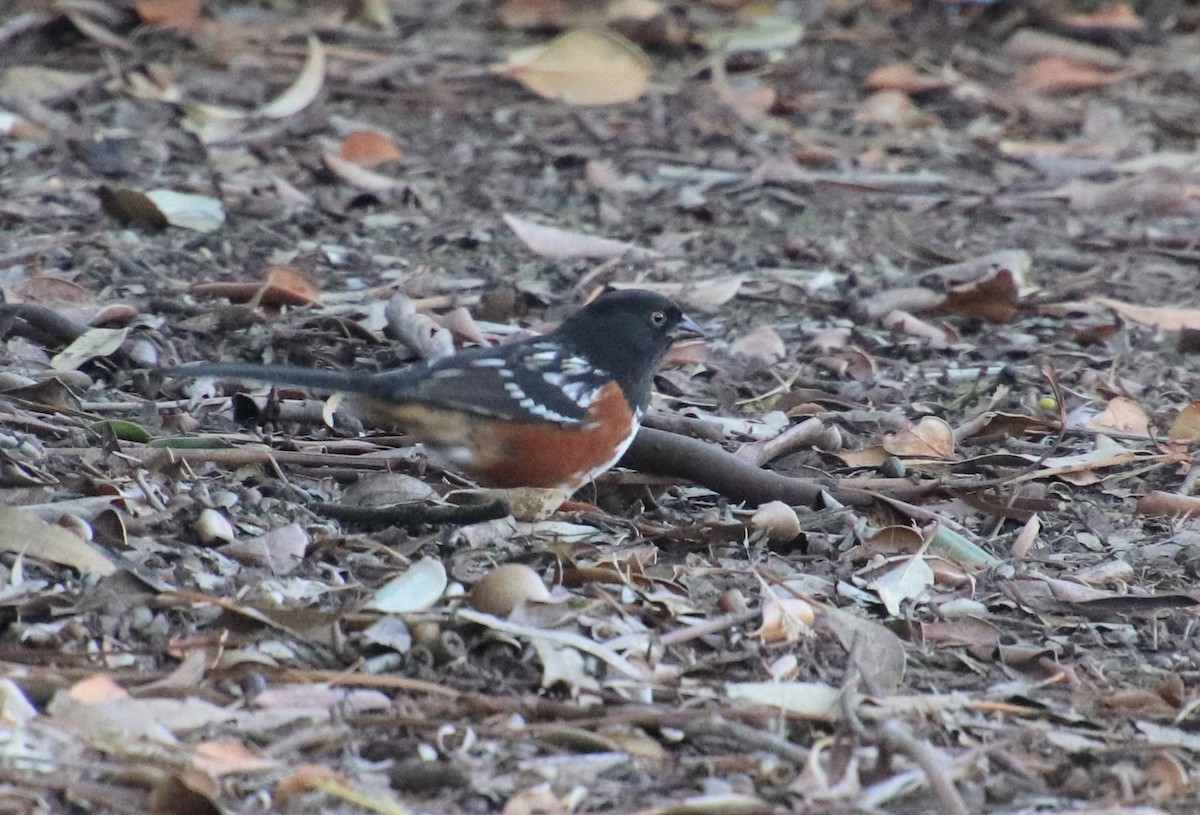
{"points": [[945, 256]]}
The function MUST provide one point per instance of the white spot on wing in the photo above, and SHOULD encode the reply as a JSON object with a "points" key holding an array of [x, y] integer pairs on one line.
{"points": [[446, 373], [581, 393], [489, 362]]}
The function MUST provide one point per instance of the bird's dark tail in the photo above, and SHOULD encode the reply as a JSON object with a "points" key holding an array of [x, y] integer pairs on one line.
{"points": [[281, 375]]}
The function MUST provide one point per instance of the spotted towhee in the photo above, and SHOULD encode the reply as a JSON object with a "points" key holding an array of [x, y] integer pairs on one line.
{"points": [[552, 411]]}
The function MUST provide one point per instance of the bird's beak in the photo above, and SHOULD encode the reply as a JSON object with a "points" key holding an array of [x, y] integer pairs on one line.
{"points": [[686, 330]]}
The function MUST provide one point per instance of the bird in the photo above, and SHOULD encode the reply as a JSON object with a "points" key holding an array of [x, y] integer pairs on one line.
{"points": [[551, 411]]}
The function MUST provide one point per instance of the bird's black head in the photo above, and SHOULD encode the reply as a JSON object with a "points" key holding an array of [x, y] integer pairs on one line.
{"points": [[627, 333]]}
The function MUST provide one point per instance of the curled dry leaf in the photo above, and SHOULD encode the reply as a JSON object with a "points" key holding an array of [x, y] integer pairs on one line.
{"points": [[281, 286], [929, 438], [590, 66], [1026, 538], [778, 519], [504, 588], [304, 89], [369, 149], [415, 590], [938, 336], [358, 176], [785, 619], [759, 346], [213, 527], [417, 330]]}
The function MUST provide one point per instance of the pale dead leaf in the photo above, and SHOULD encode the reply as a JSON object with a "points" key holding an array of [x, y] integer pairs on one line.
{"points": [[417, 589], [589, 66], [815, 701], [880, 654], [759, 346], [359, 176], [304, 89], [1166, 318], [1122, 415], [906, 582], [778, 519], [552, 242], [93, 343], [1117, 17], [937, 336], [200, 213], [929, 438], [504, 588], [562, 664], [1027, 537]]}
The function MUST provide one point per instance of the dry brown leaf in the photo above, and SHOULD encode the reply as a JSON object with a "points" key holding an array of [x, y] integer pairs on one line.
{"points": [[903, 77], [283, 286], [996, 298], [590, 66], [175, 13], [1168, 504], [369, 149], [1060, 75], [1186, 427], [929, 438]]}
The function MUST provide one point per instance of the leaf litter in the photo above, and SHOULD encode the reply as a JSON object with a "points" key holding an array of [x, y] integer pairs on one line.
{"points": [[943, 256]]}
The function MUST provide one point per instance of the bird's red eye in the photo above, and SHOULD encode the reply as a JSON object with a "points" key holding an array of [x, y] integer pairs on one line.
{"points": [[658, 318]]}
